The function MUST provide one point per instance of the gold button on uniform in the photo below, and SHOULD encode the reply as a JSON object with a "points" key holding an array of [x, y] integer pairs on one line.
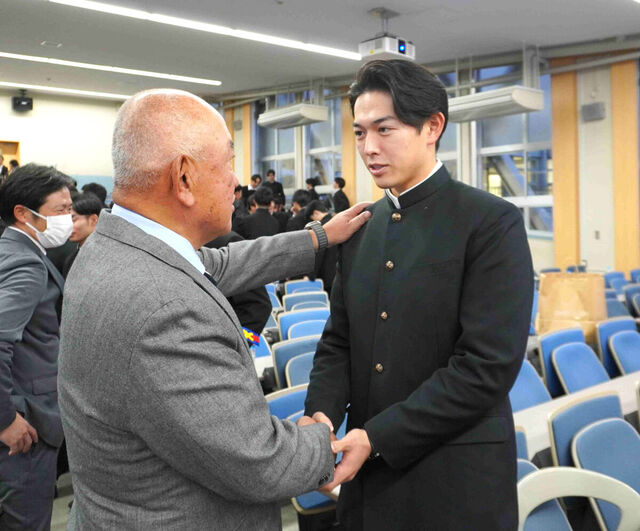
{"points": [[389, 265], [379, 367], [384, 316], [395, 217]]}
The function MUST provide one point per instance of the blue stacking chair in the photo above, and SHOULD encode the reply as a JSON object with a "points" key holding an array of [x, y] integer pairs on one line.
{"points": [[610, 293], [271, 288], [576, 269], [288, 301], [546, 517], [618, 285], [307, 305], [635, 304], [630, 290], [521, 443], [577, 367], [616, 309], [286, 402], [548, 342], [610, 447], [307, 328], [551, 270], [261, 349], [288, 319], [285, 350], [634, 274], [299, 368], [271, 323], [610, 276], [275, 302], [528, 389], [294, 285], [625, 350], [604, 330]]}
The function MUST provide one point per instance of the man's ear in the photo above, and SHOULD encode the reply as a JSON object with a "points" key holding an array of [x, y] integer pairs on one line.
{"points": [[182, 179], [22, 214], [434, 126]]}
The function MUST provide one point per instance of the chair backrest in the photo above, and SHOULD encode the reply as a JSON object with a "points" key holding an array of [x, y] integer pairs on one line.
{"points": [[566, 421], [610, 293], [307, 328], [289, 300], [271, 323], [610, 276], [299, 368], [308, 304], [625, 350], [604, 330], [297, 284], [556, 482], [287, 319], [576, 269], [521, 443], [551, 270], [629, 291], [275, 302], [616, 309], [528, 389], [285, 350], [577, 367], [610, 447], [618, 284], [261, 349], [286, 402], [635, 303], [635, 275], [271, 288], [546, 516], [548, 342]]}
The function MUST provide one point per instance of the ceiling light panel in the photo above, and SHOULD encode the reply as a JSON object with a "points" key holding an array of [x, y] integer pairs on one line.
{"points": [[106, 68], [62, 90], [209, 28]]}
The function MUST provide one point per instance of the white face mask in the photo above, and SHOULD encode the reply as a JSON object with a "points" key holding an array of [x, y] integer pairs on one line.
{"points": [[58, 230]]}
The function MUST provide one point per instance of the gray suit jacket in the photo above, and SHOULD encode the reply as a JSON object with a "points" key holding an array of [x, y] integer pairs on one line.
{"points": [[30, 287], [165, 420]]}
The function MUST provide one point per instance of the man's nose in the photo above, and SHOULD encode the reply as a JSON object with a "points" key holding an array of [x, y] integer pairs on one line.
{"points": [[371, 145]]}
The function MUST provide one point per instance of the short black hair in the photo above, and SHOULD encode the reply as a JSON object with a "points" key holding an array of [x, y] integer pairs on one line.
{"points": [[302, 197], [256, 177], [269, 171], [417, 93], [318, 205], [263, 196], [251, 199], [29, 186], [14, 163], [96, 189], [87, 204], [277, 200], [341, 182], [312, 181], [238, 188]]}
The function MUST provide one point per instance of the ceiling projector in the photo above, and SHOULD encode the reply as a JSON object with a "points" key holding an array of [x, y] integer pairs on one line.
{"points": [[387, 47]]}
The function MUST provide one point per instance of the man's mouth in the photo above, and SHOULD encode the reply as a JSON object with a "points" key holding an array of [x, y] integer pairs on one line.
{"points": [[377, 169]]}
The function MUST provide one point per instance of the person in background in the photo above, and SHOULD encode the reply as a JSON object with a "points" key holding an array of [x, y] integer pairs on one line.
{"points": [[98, 190], [325, 266], [299, 201], [260, 222], [239, 206], [84, 213], [254, 184], [4, 172], [274, 186], [13, 165], [311, 184], [36, 204], [280, 214], [340, 200]]}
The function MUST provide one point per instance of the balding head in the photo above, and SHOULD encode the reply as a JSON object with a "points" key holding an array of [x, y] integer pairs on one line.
{"points": [[156, 126]]}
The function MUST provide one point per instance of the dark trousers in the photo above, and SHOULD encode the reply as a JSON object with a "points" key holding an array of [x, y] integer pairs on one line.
{"points": [[31, 478]]}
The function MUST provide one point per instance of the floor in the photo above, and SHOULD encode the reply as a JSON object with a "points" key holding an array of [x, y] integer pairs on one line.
{"points": [[61, 508]]}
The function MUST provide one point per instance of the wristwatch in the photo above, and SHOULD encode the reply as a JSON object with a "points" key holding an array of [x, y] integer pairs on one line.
{"points": [[321, 235]]}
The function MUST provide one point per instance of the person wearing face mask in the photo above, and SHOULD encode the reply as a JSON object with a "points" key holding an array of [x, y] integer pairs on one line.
{"points": [[84, 214], [36, 205]]}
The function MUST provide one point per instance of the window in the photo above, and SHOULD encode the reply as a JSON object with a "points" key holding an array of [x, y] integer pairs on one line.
{"points": [[323, 145]]}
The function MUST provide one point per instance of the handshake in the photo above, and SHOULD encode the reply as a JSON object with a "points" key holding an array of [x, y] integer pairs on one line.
{"points": [[355, 447]]}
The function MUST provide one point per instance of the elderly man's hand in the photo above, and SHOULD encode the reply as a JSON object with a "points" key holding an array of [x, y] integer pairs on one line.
{"points": [[355, 448], [19, 436], [342, 226]]}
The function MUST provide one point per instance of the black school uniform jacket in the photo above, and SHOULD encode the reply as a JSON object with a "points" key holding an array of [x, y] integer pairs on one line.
{"points": [[430, 313]]}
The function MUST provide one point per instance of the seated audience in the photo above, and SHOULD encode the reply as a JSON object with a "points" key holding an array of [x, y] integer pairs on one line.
{"points": [[279, 213], [260, 222], [311, 183], [299, 201]]}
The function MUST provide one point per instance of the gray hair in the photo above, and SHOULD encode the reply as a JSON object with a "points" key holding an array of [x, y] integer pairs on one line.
{"points": [[153, 128]]}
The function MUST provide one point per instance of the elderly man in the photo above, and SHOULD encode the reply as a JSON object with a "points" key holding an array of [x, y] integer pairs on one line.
{"points": [[166, 424]]}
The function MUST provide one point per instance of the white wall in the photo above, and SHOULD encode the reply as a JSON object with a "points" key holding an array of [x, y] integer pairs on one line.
{"points": [[72, 134]]}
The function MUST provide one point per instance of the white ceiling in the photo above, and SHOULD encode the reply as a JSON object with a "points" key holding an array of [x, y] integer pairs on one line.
{"points": [[440, 31]]}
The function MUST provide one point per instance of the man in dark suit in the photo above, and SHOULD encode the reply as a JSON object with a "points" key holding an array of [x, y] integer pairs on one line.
{"points": [[340, 200], [35, 203], [299, 201], [261, 222], [273, 185], [254, 184], [430, 313]]}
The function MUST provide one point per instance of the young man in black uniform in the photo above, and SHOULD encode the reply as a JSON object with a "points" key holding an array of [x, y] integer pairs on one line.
{"points": [[430, 313]]}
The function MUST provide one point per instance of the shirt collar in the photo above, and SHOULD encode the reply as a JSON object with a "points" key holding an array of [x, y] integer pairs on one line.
{"points": [[44, 251], [396, 201], [174, 240]]}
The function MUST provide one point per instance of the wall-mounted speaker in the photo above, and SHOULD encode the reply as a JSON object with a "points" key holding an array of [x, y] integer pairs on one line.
{"points": [[22, 103]]}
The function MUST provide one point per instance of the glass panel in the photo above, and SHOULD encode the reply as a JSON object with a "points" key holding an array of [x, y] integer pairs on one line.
{"points": [[539, 129], [337, 121], [448, 79], [266, 141], [284, 169], [541, 218], [503, 175], [319, 134], [539, 172], [452, 167], [503, 129], [286, 143], [321, 167], [449, 139]]}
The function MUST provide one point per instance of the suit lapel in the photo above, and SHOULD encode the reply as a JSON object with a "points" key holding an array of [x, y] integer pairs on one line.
{"points": [[55, 274]]}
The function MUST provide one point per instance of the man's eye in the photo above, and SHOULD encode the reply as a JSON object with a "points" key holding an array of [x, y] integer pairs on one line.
{"points": [[358, 133], [383, 129]]}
